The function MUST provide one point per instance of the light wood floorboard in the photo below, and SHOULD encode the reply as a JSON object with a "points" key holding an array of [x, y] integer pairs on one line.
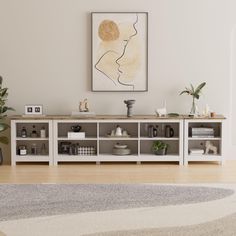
{"points": [[120, 173]]}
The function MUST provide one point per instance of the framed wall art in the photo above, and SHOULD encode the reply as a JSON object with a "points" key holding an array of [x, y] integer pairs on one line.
{"points": [[119, 51]]}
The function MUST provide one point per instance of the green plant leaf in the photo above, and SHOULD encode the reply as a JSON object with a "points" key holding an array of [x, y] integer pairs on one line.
{"points": [[4, 97], [3, 127], [192, 89], [10, 109], [4, 140], [5, 109], [199, 88], [158, 145], [185, 91], [3, 91]]}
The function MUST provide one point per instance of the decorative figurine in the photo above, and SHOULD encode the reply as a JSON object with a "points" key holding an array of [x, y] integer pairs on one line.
{"points": [[118, 131], [210, 147], [80, 106], [84, 106], [129, 104], [162, 111]]}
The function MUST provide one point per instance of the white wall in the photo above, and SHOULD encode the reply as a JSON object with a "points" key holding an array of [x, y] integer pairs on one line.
{"points": [[45, 54]]}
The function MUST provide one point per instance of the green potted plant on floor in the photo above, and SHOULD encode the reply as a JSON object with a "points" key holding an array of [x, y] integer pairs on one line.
{"points": [[3, 114], [195, 93], [159, 147]]}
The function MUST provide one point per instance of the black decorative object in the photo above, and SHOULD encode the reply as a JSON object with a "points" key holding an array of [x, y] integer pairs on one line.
{"points": [[76, 128], [169, 131]]}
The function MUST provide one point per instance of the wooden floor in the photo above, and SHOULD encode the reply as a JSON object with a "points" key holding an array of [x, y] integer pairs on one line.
{"points": [[120, 173]]}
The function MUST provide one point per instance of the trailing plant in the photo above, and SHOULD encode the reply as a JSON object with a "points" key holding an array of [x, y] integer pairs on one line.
{"points": [[3, 111], [195, 93]]}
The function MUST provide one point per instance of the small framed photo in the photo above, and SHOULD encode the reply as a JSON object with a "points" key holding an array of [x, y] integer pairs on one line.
{"points": [[33, 110], [38, 110]]}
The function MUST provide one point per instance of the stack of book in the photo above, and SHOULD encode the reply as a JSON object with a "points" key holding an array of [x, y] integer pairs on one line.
{"points": [[196, 151], [72, 135], [202, 132]]}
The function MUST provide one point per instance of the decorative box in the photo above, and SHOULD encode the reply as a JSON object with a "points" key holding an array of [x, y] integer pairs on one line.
{"points": [[86, 151], [74, 135]]}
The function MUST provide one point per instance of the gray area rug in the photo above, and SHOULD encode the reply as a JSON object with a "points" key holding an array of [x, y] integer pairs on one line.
{"points": [[29, 200]]}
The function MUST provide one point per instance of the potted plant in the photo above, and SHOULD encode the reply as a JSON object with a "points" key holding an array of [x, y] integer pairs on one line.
{"points": [[159, 148], [195, 93], [3, 111]]}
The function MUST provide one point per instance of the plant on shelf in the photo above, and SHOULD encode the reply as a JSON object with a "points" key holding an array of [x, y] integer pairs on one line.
{"points": [[195, 93], [3, 110], [159, 148]]}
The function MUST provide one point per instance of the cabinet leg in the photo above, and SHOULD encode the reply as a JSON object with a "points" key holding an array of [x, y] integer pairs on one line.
{"points": [[98, 162], [13, 163], [138, 162], [50, 163], [55, 163], [222, 162], [186, 163]]}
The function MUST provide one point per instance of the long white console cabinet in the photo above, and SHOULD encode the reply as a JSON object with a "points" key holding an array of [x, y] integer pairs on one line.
{"points": [[58, 139]]}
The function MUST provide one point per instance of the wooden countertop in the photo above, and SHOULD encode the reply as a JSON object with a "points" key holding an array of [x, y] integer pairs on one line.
{"points": [[109, 117]]}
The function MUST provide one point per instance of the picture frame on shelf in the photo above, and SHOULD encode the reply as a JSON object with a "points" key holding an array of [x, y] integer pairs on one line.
{"points": [[33, 110], [119, 51]]}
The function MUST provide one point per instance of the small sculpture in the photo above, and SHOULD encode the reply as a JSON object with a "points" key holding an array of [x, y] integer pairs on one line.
{"points": [[118, 131], [84, 106], [129, 104], [162, 111], [210, 147], [76, 128]]}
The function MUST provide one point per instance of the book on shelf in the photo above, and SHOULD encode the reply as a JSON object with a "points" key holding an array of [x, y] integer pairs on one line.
{"points": [[196, 151], [202, 129], [75, 135], [202, 132]]}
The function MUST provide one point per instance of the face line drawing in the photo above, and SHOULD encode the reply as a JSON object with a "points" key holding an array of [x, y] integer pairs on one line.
{"points": [[117, 61]]}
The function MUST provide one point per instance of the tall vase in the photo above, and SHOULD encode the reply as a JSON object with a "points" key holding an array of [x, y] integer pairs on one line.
{"points": [[193, 111]]}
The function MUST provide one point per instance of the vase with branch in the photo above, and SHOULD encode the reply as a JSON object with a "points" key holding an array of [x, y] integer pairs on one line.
{"points": [[195, 93]]}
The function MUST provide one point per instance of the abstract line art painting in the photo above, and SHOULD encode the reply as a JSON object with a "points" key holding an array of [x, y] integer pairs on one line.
{"points": [[119, 51]]}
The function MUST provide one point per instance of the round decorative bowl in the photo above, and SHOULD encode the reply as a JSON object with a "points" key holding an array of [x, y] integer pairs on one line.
{"points": [[120, 146], [121, 151]]}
